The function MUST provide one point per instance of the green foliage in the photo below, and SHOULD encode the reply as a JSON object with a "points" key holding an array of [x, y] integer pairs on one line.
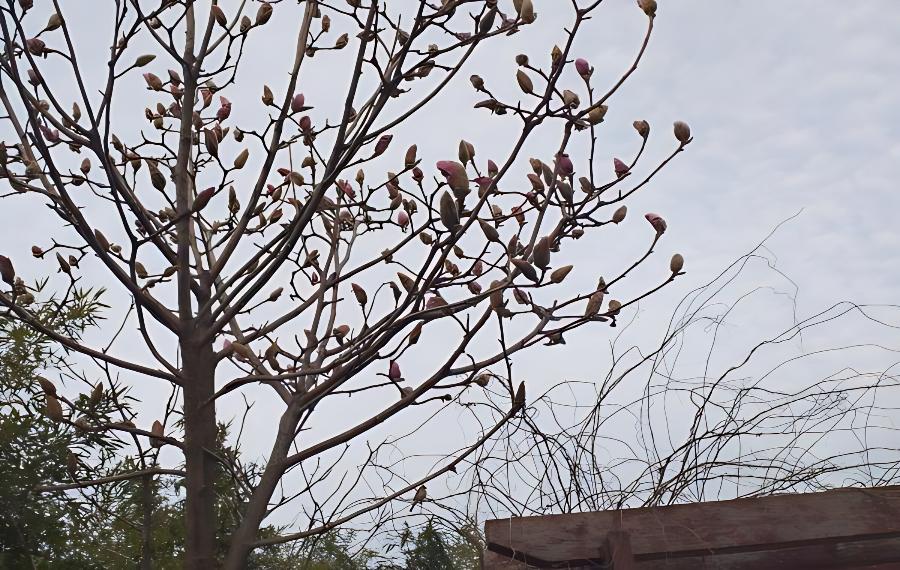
{"points": [[429, 551], [38, 528]]}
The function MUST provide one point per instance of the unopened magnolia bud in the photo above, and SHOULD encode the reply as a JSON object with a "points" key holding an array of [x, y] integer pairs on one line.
{"points": [[560, 273], [526, 269], [466, 151], [382, 145], [361, 297], [409, 159], [564, 165], [619, 214], [483, 379], [658, 223], [541, 253], [101, 240], [526, 11], [490, 232], [274, 295], [245, 25], [263, 13], [556, 55], [677, 263], [153, 81], [519, 399], [63, 264], [620, 167], [54, 22], [477, 82], [6, 271], [36, 251], [614, 307], [35, 46], [595, 302], [522, 59], [394, 371], [219, 16], [143, 60], [448, 212], [525, 82], [642, 128], [342, 41], [408, 282], [341, 331], [298, 102], [648, 6], [682, 132], [597, 113], [241, 159], [267, 97], [455, 173], [570, 98], [583, 68]]}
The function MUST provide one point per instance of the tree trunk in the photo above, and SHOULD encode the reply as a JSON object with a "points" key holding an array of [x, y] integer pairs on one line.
{"points": [[241, 543], [199, 436]]}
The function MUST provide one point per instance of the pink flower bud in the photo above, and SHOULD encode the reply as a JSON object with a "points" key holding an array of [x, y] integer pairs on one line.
{"points": [[226, 345], [382, 144], [484, 185], [658, 223], [417, 174], [203, 199], [435, 302], [51, 135], [564, 164], [621, 167], [583, 67], [394, 371], [345, 187], [682, 132], [224, 110], [305, 124], [206, 95], [153, 82], [6, 271], [455, 173], [402, 219], [298, 102], [36, 46], [492, 168]]}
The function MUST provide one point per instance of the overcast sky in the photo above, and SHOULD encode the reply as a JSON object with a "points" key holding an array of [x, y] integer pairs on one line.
{"points": [[794, 106]]}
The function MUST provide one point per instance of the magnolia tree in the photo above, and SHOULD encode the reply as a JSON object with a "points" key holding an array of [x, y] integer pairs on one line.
{"points": [[300, 248]]}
